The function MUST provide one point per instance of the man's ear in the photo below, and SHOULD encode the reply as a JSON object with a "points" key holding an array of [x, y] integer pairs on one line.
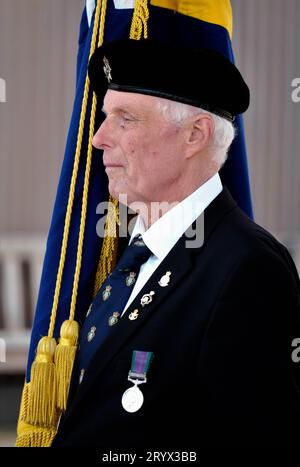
{"points": [[200, 133]]}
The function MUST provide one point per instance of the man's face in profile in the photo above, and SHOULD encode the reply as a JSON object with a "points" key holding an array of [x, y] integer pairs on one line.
{"points": [[142, 150]]}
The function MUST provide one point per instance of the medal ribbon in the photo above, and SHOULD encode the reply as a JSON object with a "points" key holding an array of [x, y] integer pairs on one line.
{"points": [[140, 364]]}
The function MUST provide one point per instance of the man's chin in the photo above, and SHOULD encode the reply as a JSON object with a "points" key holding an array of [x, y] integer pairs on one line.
{"points": [[115, 193]]}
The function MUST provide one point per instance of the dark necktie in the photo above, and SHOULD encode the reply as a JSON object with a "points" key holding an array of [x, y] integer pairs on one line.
{"points": [[110, 301]]}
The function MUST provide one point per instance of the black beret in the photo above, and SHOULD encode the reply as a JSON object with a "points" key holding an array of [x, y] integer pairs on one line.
{"points": [[199, 77]]}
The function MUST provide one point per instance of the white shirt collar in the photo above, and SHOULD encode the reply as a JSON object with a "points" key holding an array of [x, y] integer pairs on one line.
{"points": [[166, 231]]}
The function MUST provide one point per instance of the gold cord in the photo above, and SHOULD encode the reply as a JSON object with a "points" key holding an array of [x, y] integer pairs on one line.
{"points": [[139, 20]]}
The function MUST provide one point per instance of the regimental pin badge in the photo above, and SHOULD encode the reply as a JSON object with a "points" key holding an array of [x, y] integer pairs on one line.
{"points": [[134, 315], [89, 310], [106, 293], [147, 298], [91, 333], [107, 69], [165, 279], [81, 375], [130, 279], [114, 318]]}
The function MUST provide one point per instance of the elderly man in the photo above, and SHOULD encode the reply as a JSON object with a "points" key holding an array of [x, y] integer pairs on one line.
{"points": [[188, 342]]}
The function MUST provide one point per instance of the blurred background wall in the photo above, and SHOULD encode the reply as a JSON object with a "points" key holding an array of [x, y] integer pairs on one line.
{"points": [[38, 44]]}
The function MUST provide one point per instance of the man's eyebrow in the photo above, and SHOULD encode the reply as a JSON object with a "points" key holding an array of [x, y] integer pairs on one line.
{"points": [[119, 110]]}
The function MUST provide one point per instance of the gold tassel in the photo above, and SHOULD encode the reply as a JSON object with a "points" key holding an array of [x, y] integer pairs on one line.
{"points": [[27, 434], [32, 436], [64, 358], [42, 391]]}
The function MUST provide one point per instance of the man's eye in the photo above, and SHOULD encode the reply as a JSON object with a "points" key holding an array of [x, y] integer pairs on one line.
{"points": [[125, 120]]}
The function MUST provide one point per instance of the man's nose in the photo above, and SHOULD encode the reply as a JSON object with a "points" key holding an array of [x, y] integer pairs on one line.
{"points": [[101, 139]]}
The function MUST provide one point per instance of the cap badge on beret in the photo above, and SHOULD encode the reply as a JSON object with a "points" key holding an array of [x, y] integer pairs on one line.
{"points": [[148, 67], [107, 69]]}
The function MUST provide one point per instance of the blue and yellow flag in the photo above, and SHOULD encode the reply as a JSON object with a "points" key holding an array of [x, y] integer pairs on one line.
{"points": [[77, 260]]}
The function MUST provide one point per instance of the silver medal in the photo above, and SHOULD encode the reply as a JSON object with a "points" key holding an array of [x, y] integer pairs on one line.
{"points": [[132, 399]]}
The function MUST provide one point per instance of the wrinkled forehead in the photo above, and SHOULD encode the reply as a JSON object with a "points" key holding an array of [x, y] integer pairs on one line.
{"points": [[130, 101]]}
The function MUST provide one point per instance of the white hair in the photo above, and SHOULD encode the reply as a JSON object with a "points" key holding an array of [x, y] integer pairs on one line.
{"points": [[224, 131]]}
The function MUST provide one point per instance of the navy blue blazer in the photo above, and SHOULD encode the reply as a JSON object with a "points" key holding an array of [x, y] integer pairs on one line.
{"points": [[221, 334]]}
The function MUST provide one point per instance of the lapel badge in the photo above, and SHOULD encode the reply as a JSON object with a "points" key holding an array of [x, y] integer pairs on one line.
{"points": [[107, 69], [89, 310], [91, 333], [81, 375], [130, 279], [114, 318], [165, 279], [134, 315], [106, 293], [147, 298]]}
